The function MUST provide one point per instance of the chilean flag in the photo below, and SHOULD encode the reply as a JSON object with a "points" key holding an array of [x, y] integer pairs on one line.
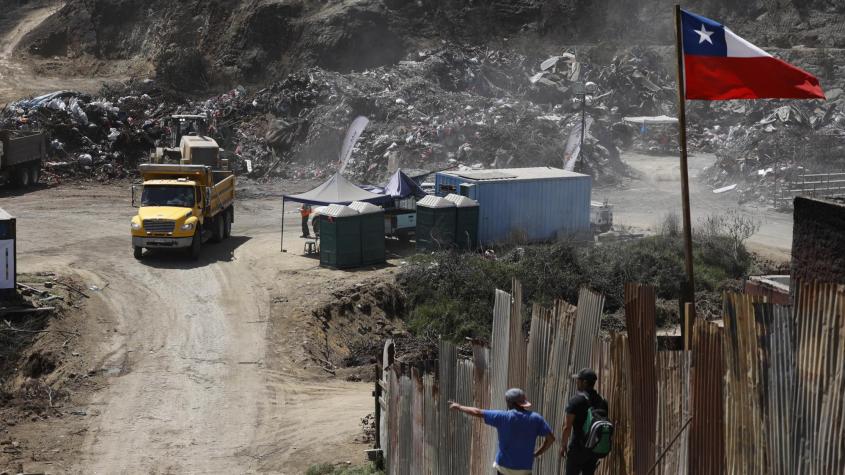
{"points": [[719, 65]]}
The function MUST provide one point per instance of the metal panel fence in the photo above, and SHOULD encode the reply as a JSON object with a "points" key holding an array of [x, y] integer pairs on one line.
{"points": [[642, 338], [763, 394], [820, 389]]}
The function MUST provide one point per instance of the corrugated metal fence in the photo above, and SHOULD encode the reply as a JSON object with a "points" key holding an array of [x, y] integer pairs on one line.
{"points": [[763, 394]]}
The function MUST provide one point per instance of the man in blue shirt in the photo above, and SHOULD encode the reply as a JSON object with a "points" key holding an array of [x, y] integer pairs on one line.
{"points": [[518, 429]]}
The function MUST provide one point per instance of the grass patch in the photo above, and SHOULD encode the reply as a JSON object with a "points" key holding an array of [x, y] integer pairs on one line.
{"points": [[329, 469]]}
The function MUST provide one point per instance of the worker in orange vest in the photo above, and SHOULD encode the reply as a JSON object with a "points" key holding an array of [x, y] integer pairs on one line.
{"points": [[305, 212]]}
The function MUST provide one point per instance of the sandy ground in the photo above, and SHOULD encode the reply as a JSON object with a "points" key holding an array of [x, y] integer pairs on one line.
{"points": [[22, 77], [643, 202], [206, 372]]}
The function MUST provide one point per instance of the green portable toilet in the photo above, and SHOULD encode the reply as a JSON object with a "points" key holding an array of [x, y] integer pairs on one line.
{"points": [[466, 221], [340, 237], [435, 223], [372, 232]]}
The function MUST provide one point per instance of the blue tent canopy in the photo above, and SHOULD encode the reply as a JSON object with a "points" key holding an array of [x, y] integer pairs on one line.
{"points": [[400, 186]]}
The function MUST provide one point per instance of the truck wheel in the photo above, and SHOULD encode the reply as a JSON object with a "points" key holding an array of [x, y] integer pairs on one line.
{"points": [[219, 228], [196, 244], [35, 175], [139, 252], [23, 177], [227, 224]]}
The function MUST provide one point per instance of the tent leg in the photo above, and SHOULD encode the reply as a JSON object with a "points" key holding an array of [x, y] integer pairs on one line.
{"points": [[282, 238]]}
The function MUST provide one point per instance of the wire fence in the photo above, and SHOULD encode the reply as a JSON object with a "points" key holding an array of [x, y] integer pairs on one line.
{"points": [[763, 392]]}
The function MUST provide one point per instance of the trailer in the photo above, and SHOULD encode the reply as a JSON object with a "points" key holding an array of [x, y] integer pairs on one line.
{"points": [[21, 154]]}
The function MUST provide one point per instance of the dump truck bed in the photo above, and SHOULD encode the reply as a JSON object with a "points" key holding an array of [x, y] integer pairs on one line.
{"points": [[222, 182], [21, 147]]}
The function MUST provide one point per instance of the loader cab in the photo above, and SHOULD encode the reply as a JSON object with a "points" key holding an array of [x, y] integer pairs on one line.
{"points": [[186, 125]]}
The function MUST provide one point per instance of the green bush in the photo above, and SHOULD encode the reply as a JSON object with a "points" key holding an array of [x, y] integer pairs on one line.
{"points": [[452, 294]]}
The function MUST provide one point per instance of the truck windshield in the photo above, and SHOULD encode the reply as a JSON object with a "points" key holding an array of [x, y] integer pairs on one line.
{"points": [[182, 196]]}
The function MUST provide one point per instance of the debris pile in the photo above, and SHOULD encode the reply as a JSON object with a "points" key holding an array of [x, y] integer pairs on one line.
{"points": [[451, 107], [97, 136], [769, 143], [445, 108], [448, 108]]}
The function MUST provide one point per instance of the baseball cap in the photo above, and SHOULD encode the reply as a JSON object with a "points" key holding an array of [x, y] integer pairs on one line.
{"points": [[586, 374], [517, 397]]}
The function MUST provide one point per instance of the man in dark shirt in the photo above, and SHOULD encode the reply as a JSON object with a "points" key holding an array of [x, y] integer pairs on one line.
{"points": [[579, 459]]}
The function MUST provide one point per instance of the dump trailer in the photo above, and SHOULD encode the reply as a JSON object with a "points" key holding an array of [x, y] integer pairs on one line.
{"points": [[21, 154]]}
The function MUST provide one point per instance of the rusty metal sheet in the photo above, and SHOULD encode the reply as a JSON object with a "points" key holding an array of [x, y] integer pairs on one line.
{"points": [[776, 333], [461, 443], [405, 449], [707, 432], [820, 392], [500, 349], [517, 348], [672, 412], [556, 386], [431, 451], [417, 424], [746, 449], [447, 373], [541, 337], [642, 343], [587, 324], [611, 363], [483, 436], [393, 429]]}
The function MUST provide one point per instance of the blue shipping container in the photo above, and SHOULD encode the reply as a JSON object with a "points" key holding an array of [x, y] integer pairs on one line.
{"points": [[531, 204]]}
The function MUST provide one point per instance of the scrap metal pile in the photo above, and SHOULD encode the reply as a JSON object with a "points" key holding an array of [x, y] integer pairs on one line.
{"points": [[450, 107], [761, 145]]}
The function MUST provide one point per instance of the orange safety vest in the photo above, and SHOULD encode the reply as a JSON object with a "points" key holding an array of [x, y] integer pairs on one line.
{"points": [[305, 212]]}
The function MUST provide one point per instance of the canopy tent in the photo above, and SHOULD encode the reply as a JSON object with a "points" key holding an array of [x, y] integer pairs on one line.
{"points": [[401, 186], [335, 190]]}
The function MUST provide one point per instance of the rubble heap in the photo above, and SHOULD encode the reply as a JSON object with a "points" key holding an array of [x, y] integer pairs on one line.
{"points": [[761, 145], [446, 108]]}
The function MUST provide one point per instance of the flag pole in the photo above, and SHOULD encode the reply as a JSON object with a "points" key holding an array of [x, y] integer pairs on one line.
{"points": [[688, 294]]}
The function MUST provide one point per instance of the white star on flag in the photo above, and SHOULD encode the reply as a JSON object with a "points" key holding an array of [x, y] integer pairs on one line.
{"points": [[704, 35]]}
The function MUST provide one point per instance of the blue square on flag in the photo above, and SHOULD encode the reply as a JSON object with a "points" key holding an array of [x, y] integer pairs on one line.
{"points": [[703, 36]]}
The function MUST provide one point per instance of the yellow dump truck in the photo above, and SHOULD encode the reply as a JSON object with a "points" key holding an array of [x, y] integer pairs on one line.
{"points": [[186, 204]]}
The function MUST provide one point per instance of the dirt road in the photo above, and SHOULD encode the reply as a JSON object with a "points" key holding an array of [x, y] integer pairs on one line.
{"points": [[645, 201], [204, 360], [19, 76]]}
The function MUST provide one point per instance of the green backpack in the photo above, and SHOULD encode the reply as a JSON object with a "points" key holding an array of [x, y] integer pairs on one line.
{"points": [[598, 433]]}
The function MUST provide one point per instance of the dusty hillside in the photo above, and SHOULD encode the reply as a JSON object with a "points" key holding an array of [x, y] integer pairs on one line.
{"points": [[256, 40]]}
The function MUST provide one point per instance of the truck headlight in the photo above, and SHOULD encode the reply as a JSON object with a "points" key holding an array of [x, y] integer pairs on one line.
{"points": [[136, 226], [187, 227]]}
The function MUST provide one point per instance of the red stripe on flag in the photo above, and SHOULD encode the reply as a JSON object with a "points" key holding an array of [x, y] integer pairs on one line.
{"points": [[716, 78]]}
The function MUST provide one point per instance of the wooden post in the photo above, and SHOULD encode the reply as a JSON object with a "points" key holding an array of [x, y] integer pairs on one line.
{"points": [[682, 126], [377, 413], [686, 326], [282, 239]]}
